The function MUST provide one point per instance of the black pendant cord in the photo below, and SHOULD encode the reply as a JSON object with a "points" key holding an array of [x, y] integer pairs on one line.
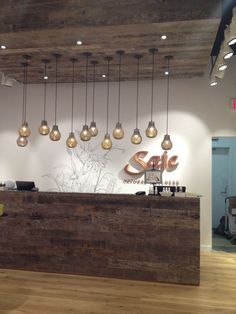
{"points": [[23, 100], [55, 113], [26, 82], [45, 91], [167, 96], [94, 74], [86, 93], [153, 54], [108, 89], [119, 88], [72, 95], [137, 95]]}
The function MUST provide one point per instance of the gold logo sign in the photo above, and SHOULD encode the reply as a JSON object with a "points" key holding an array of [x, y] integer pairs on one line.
{"points": [[138, 166]]}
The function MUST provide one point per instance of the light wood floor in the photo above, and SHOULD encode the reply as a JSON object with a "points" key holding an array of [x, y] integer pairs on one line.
{"points": [[40, 293]]}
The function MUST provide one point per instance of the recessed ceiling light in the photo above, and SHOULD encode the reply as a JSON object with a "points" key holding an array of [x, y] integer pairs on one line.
{"points": [[3, 47], [166, 73], [222, 67], [79, 42], [163, 36], [103, 75], [213, 83], [45, 77]]}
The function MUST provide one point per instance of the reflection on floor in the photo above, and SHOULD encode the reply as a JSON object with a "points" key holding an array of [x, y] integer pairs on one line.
{"points": [[221, 243]]}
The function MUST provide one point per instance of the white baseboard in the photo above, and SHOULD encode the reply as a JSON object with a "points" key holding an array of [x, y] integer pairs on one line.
{"points": [[205, 248]]}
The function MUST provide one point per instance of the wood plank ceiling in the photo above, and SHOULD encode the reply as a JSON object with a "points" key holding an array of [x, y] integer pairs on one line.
{"points": [[41, 28]]}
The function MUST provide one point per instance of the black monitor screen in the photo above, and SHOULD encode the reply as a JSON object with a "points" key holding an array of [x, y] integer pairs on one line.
{"points": [[25, 185]]}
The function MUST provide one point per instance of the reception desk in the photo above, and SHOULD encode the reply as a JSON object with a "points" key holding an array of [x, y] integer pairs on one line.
{"points": [[112, 235]]}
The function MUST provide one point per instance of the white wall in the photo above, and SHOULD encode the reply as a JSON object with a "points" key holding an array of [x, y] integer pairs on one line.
{"points": [[197, 112]]}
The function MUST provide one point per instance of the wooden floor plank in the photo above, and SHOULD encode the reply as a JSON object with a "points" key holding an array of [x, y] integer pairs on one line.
{"points": [[24, 292]]}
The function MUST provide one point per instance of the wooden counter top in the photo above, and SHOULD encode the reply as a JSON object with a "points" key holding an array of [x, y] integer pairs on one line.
{"points": [[112, 235]]}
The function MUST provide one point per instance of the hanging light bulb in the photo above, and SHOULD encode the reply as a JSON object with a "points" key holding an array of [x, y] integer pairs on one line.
{"points": [[24, 130], [166, 144], [107, 143], [93, 127], [85, 134], [118, 132], [22, 141], [44, 128], [136, 138], [55, 134], [93, 130], [151, 130], [71, 141]]}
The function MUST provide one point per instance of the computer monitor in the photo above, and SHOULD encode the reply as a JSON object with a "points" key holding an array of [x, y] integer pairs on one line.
{"points": [[25, 185]]}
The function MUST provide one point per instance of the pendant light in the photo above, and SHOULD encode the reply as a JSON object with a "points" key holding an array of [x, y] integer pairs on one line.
{"points": [[71, 141], [136, 138], [118, 132], [24, 130], [151, 130], [44, 128], [85, 134], [55, 134], [166, 144], [93, 127], [107, 143]]}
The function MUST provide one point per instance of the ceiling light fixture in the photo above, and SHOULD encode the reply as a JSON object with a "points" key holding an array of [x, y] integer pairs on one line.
{"points": [[163, 36], [85, 134], [107, 143], [118, 132], [103, 75], [151, 130], [93, 127], [166, 144], [227, 51], [44, 128], [136, 138], [213, 81], [166, 73], [55, 134], [3, 47], [71, 141], [24, 131], [79, 42]]}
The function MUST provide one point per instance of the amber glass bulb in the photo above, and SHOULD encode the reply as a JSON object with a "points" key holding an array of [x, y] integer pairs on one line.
{"points": [[93, 129], [136, 138], [166, 144], [107, 143], [22, 141], [151, 130], [85, 134], [71, 141], [24, 130], [55, 134], [118, 132], [44, 128]]}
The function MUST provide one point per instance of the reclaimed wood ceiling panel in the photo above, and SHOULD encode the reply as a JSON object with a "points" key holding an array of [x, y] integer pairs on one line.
{"points": [[41, 28]]}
